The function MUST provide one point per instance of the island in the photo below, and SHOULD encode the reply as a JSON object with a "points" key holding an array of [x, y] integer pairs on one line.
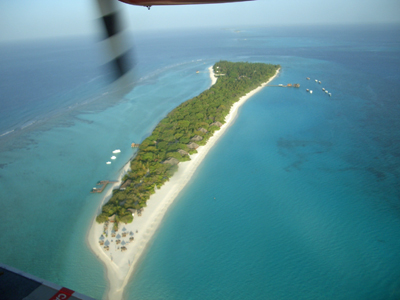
{"points": [[164, 164]]}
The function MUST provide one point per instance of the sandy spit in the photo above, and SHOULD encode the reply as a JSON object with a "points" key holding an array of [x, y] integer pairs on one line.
{"points": [[120, 265]]}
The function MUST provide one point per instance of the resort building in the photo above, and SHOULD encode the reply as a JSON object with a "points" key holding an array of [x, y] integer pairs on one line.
{"points": [[193, 145], [219, 124], [171, 161], [182, 152], [203, 130], [196, 138], [125, 185]]}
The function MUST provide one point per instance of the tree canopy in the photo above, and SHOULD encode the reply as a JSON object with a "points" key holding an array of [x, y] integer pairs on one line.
{"points": [[193, 118]]}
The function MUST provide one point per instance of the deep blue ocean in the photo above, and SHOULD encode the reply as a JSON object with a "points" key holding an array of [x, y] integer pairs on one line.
{"points": [[300, 199]]}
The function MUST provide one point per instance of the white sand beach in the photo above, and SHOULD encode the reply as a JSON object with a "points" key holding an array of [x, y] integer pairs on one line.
{"points": [[212, 76], [120, 265]]}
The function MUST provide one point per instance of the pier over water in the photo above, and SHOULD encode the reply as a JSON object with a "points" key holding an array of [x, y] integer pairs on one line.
{"points": [[103, 185]]}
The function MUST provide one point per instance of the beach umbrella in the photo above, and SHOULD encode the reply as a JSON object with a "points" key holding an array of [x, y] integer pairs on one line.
{"points": [[123, 243], [118, 236], [124, 229], [131, 233], [102, 237], [107, 243]]}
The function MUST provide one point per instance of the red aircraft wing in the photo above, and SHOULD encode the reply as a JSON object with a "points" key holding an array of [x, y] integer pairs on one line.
{"points": [[176, 2]]}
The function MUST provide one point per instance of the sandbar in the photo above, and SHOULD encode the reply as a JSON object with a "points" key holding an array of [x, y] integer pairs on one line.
{"points": [[120, 265]]}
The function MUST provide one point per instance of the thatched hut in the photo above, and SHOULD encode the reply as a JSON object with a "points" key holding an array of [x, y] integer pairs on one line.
{"points": [[203, 130], [139, 212], [112, 218], [219, 124], [123, 249], [192, 145], [182, 152], [196, 138], [125, 185], [171, 161]]}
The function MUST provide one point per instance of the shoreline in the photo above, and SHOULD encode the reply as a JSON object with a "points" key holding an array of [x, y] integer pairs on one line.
{"points": [[212, 76], [120, 265]]}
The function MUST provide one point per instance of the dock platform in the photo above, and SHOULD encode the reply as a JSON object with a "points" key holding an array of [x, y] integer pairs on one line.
{"points": [[103, 185], [295, 85]]}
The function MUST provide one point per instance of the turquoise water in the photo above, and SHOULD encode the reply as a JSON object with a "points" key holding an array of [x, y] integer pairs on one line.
{"points": [[301, 209], [298, 200]]}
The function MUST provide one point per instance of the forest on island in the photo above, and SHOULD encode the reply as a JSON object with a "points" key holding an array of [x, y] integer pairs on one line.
{"points": [[178, 135]]}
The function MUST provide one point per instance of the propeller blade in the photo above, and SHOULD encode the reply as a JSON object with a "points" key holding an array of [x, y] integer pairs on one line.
{"points": [[120, 53]]}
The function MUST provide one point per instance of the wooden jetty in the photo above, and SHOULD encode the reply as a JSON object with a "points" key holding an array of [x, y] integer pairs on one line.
{"points": [[296, 85], [103, 185]]}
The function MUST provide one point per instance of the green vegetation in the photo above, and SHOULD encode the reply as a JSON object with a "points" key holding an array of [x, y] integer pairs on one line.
{"points": [[192, 121]]}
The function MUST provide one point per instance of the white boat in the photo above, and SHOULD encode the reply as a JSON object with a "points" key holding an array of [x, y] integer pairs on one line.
{"points": [[316, 80], [319, 82], [108, 163], [330, 95], [323, 89], [310, 91], [117, 151], [113, 157], [326, 92]]}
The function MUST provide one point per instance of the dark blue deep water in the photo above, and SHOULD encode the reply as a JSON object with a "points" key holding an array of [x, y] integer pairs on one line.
{"points": [[300, 199]]}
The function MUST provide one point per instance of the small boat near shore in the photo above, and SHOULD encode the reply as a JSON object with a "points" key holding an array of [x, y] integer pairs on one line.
{"points": [[308, 78], [307, 90], [323, 89], [116, 151], [108, 163], [113, 157], [310, 91]]}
